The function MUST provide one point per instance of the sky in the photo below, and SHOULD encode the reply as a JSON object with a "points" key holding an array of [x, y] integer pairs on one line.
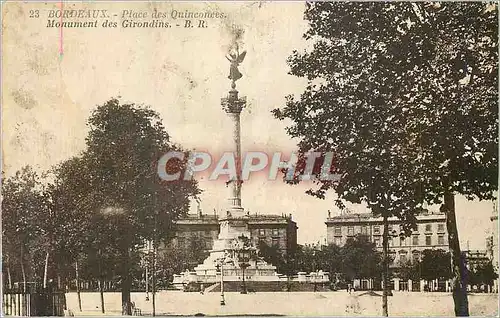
{"points": [[180, 73]]}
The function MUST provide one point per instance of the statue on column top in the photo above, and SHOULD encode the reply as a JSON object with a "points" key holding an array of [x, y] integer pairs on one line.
{"points": [[235, 59]]}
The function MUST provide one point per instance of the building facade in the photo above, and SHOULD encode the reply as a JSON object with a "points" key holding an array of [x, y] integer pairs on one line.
{"points": [[431, 233], [274, 230], [475, 258]]}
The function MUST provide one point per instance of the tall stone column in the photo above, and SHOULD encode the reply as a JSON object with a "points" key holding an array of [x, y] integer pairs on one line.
{"points": [[233, 105]]}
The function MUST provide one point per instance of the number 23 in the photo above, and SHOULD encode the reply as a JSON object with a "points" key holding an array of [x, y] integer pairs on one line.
{"points": [[34, 14]]}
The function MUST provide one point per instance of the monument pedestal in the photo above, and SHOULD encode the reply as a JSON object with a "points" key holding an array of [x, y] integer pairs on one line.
{"points": [[226, 249]]}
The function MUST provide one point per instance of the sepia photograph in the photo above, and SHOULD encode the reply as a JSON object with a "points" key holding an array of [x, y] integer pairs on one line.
{"points": [[249, 158]]}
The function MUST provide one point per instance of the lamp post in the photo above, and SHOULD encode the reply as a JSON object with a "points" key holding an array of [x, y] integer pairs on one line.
{"points": [[244, 257], [221, 270], [243, 252]]}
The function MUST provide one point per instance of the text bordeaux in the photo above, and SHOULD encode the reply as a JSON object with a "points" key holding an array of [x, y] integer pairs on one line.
{"points": [[81, 14]]}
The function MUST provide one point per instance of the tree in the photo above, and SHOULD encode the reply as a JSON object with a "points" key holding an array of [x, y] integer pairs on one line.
{"points": [[458, 115], [357, 258], [435, 264], [330, 259], [408, 270], [25, 232], [483, 274], [75, 232], [348, 109], [272, 255], [114, 184], [175, 258], [360, 258], [407, 103]]}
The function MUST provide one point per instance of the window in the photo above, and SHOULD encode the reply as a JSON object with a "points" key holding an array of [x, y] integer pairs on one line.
{"points": [[441, 227], [376, 229], [275, 232], [276, 242], [364, 230], [390, 228], [350, 230], [392, 257], [416, 257], [402, 241], [428, 240], [337, 241], [376, 240], [402, 258], [428, 227], [415, 240], [441, 239], [262, 232], [337, 231], [390, 241]]}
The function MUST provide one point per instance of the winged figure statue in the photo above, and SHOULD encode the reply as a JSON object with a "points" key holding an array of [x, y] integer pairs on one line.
{"points": [[235, 59]]}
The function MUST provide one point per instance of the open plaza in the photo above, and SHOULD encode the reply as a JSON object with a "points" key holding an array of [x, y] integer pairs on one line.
{"points": [[338, 303]]}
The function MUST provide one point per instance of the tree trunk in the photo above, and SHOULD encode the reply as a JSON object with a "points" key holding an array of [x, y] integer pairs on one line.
{"points": [[23, 271], [459, 271], [101, 292], [78, 287], [45, 269], [100, 280], [9, 276], [153, 287], [126, 284], [385, 267]]}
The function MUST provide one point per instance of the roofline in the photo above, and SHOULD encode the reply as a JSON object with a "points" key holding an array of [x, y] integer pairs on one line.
{"points": [[369, 218]]}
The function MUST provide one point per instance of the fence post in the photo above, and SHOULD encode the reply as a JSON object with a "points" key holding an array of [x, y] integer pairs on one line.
{"points": [[19, 304], [12, 303], [28, 304]]}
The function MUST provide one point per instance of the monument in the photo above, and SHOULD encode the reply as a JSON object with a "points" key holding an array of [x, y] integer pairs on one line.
{"points": [[233, 258]]}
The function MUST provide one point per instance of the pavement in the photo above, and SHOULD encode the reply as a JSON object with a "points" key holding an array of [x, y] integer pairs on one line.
{"points": [[339, 303]]}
